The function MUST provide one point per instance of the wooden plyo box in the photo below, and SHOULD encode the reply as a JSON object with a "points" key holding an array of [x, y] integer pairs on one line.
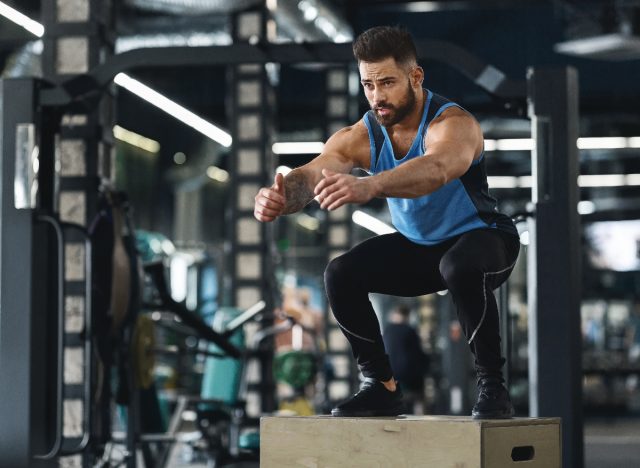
{"points": [[409, 442]]}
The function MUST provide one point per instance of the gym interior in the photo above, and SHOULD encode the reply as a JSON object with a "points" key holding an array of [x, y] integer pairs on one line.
{"points": [[147, 319]]}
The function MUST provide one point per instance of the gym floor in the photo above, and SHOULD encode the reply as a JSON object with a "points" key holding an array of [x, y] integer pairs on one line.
{"points": [[612, 443], [608, 443]]}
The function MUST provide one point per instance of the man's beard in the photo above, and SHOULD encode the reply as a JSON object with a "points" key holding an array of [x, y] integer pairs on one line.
{"points": [[398, 112]]}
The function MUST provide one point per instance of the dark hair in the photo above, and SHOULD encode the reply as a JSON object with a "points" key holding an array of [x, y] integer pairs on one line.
{"points": [[403, 310], [381, 42]]}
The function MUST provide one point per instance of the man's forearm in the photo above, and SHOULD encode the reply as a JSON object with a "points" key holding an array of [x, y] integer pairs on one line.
{"points": [[298, 192], [410, 180]]}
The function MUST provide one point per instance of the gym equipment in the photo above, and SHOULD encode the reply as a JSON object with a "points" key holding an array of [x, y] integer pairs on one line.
{"points": [[143, 344], [438, 441], [296, 368], [220, 414], [201, 329]]}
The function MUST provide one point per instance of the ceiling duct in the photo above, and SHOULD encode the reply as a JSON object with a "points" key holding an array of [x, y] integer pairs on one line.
{"points": [[607, 34], [192, 7], [310, 20], [171, 31], [615, 47], [297, 20]]}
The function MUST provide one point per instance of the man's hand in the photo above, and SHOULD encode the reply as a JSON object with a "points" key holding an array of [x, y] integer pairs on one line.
{"points": [[270, 201], [336, 189]]}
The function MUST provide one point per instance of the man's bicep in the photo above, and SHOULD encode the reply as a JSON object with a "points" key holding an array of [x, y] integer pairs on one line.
{"points": [[454, 143], [330, 159], [348, 148], [344, 150]]}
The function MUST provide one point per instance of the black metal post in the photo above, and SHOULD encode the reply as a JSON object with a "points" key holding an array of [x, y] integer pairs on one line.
{"points": [[25, 364], [555, 368]]}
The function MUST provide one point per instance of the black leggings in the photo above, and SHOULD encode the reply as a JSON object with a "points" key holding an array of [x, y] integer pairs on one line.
{"points": [[470, 266]]}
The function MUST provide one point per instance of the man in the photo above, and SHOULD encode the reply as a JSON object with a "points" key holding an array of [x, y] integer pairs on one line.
{"points": [[425, 156], [408, 360]]}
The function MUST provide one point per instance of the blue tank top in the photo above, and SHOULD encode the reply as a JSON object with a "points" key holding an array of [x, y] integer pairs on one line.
{"points": [[461, 205]]}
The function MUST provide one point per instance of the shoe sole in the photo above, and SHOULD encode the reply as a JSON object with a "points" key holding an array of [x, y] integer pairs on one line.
{"points": [[397, 411], [502, 415]]}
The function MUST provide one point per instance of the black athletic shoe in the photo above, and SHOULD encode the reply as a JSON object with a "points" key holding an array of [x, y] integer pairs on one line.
{"points": [[493, 400], [373, 399]]}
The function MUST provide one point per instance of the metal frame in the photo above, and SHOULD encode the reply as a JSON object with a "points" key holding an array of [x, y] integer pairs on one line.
{"points": [[249, 264], [486, 76], [340, 112], [555, 350]]}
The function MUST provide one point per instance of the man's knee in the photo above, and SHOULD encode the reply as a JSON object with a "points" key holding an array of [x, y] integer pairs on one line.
{"points": [[338, 272]]}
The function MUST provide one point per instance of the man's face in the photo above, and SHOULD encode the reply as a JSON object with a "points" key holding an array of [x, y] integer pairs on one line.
{"points": [[390, 89]]}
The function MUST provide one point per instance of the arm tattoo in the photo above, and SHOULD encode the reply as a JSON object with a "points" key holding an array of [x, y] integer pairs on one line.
{"points": [[297, 192]]}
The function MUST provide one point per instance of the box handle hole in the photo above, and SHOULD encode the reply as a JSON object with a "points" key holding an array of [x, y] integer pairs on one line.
{"points": [[522, 453]]}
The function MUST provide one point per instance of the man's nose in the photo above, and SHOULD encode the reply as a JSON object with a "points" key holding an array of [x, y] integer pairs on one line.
{"points": [[378, 96]]}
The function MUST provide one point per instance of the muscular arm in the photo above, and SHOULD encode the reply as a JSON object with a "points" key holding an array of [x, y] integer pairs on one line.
{"points": [[452, 143], [346, 149], [297, 191]]}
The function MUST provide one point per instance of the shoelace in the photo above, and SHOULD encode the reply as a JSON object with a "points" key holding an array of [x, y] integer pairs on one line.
{"points": [[491, 391]]}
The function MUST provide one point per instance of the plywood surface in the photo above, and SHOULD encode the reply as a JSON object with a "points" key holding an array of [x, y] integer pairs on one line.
{"points": [[403, 442]]}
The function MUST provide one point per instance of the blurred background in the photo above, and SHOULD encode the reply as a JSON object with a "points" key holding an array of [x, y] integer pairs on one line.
{"points": [[186, 139]]}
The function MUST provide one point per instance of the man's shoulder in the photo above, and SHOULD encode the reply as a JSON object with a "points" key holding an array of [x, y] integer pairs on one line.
{"points": [[350, 135], [454, 116], [454, 111], [353, 142]]}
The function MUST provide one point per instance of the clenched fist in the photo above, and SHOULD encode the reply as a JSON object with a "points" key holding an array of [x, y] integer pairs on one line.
{"points": [[270, 201]]}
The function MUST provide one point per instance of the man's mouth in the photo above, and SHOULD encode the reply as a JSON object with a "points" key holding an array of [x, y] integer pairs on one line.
{"points": [[383, 110]]}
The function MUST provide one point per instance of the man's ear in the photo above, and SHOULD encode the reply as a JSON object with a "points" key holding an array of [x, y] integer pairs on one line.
{"points": [[417, 76]]}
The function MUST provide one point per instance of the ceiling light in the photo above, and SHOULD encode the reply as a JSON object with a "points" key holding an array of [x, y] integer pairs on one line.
{"points": [[515, 144], [284, 170], [489, 145], [632, 179], [371, 223], [601, 180], [603, 143], [218, 174], [527, 144], [525, 181], [308, 222], [298, 147], [502, 182], [586, 207], [174, 109], [18, 18], [633, 142], [134, 86], [616, 46], [139, 141]]}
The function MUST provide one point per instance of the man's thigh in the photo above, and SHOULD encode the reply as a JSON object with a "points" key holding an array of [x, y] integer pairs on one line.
{"points": [[392, 264], [486, 251]]}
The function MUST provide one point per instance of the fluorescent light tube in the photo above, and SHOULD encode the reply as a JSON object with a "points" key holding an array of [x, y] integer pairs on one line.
{"points": [[371, 223], [18, 18], [298, 147], [174, 109], [134, 139]]}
